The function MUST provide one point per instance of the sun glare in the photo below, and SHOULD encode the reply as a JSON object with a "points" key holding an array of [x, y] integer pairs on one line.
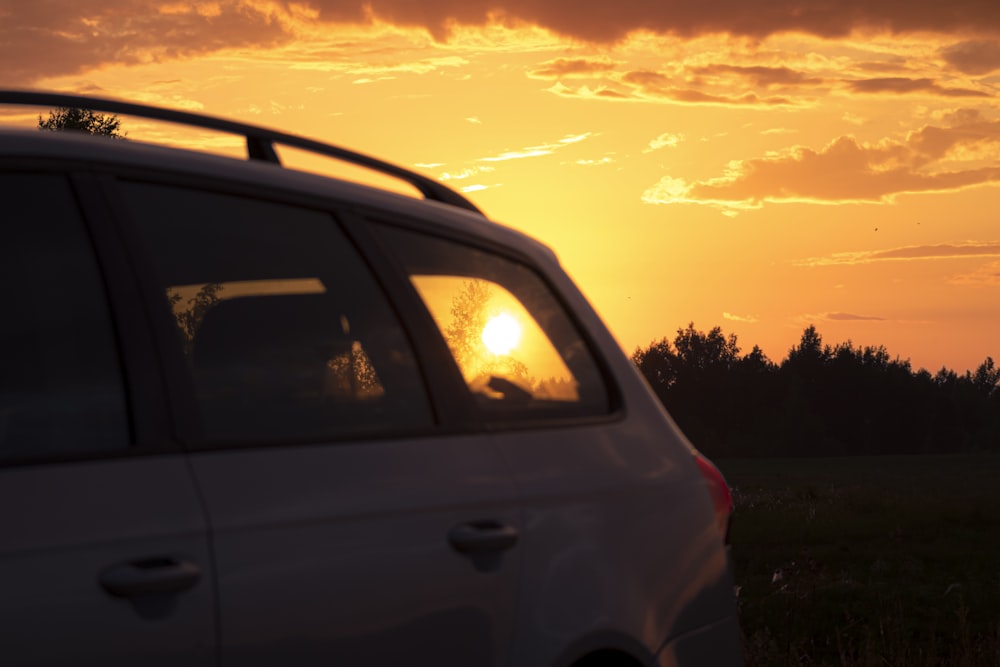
{"points": [[502, 334]]}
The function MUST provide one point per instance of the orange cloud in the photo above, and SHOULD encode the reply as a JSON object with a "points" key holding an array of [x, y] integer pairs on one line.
{"points": [[933, 159], [908, 253], [568, 67], [987, 275], [850, 317], [647, 86], [903, 85], [974, 57], [764, 77]]}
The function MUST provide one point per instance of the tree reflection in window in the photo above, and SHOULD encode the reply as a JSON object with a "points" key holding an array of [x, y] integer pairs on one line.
{"points": [[350, 375], [190, 314]]}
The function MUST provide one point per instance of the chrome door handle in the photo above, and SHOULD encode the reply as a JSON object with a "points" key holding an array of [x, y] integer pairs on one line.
{"points": [[149, 576]]}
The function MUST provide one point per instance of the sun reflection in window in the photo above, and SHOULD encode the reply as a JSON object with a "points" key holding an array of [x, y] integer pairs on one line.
{"points": [[492, 335], [502, 334]]}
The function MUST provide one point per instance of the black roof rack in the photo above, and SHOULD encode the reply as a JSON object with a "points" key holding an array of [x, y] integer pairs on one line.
{"points": [[260, 141]]}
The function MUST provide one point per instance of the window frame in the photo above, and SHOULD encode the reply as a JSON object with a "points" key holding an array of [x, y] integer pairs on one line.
{"points": [[615, 409], [184, 409]]}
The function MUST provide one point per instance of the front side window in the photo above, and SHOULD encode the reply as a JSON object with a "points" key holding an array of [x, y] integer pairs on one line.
{"points": [[61, 390], [518, 351], [286, 333]]}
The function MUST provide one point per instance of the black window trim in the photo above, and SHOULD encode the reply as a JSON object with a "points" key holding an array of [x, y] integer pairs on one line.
{"points": [[178, 388], [454, 407], [146, 393]]}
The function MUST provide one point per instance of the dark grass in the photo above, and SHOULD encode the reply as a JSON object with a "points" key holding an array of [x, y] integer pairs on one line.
{"points": [[868, 560]]}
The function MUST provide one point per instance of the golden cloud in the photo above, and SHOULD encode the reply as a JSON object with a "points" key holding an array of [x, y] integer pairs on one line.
{"points": [[569, 67], [932, 159], [969, 249], [904, 85]]}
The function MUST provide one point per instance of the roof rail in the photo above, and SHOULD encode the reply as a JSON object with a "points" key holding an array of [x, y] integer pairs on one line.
{"points": [[260, 141]]}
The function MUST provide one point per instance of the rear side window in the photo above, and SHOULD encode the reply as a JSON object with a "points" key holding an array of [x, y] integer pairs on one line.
{"points": [[519, 353], [61, 388], [286, 333]]}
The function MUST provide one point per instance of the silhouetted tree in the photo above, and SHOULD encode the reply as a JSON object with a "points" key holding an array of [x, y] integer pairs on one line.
{"points": [[658, 363], [82, 120], [986, 377]]}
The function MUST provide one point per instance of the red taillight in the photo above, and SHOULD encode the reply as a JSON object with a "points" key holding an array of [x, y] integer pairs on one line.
{"points": [[722, 499]]}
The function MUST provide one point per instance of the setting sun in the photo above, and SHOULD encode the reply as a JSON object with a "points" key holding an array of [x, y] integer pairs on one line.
{"points": [[502, 334]]}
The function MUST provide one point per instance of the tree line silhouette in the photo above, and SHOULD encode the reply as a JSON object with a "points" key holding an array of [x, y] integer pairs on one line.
{"points": [[820, 400]]}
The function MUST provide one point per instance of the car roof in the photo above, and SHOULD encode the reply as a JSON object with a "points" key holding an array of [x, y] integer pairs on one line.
{"points": [[260, 141], [441, 206]]}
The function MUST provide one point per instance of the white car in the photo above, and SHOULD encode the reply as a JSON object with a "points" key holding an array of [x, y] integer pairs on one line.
{"points": [[256, 416]]}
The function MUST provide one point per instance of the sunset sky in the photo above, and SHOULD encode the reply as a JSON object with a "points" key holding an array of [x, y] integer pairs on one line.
{"points": [[758, 165]]}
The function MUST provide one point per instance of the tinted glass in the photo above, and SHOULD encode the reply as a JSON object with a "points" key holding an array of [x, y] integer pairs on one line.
{"points": [[287, 335], [60, 380], [520, 354]]}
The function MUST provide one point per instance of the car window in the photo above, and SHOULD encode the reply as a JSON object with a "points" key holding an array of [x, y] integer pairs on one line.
{"points": [[518, 351], [285, 331], [61, 390]]}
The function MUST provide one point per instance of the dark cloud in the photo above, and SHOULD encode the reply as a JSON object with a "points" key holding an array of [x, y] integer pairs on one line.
{"points": [[602, 21], [974, 57], [897, 84], [41, 38], [49, 38]]}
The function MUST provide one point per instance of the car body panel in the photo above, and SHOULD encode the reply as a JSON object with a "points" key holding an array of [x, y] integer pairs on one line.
{"points": [[601, 539], [339, 553]]}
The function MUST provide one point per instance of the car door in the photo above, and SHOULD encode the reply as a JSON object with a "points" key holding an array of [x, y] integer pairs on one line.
{"points": [[620, 548], [348, 526], [103, 546], [600, 497]]}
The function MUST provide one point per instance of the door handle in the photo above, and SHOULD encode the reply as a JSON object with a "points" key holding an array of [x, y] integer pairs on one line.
{"points": [[482, 536], [149, 576]]}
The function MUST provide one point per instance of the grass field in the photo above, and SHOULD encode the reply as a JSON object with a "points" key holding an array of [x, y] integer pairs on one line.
{"points": [[868, 560]]}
